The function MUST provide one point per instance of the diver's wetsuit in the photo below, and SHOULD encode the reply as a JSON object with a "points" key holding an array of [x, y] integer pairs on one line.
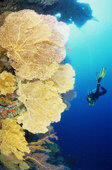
{"points": [[94, 95]]}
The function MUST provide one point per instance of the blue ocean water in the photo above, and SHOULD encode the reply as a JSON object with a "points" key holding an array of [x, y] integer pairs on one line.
{"points": [[86, 132]]}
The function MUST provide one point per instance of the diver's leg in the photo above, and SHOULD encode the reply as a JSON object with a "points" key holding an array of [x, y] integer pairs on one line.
{"points": [[103, 91], [99, 79]]}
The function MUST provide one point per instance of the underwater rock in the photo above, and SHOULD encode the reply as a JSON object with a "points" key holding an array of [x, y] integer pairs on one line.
{"points": [[43, 2], [70, 10]]}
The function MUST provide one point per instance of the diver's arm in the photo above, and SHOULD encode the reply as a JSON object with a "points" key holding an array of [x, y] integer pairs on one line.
{"points": [[103, 91]]}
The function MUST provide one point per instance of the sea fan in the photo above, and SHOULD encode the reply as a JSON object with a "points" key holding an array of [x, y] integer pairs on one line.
{"points": [[35, 39]]}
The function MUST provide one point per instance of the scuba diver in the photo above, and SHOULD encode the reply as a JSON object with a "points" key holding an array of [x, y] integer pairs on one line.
{"points": [[94, 95]]}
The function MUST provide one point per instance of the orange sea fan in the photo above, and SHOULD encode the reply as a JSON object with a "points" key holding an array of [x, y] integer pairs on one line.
{"points": [[40, 161]]}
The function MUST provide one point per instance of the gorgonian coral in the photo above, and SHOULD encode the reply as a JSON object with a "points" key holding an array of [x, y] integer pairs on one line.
{"points": [[32, 38], [44, 151], [64, 78], [12, 139], [43, 99], [30, 70], [12, 163], [35, 46], [44, 105], [3, 16], [7, 83], [2, 51], [2, 19]]}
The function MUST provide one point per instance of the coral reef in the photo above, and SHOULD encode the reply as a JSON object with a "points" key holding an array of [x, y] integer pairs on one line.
{"points": [[9, 5], [42, 150], [43, 100], [3, 16], [4, 63], [44, 105], [42, 153], [64, 78], [33, 39], [32, 83], [7, 83], [40, 144], [40, 162], [10, 108], [12, 139], [70, 10], [2, 51], [69, 96], [2, 19], [12, 163], [32, 70]]}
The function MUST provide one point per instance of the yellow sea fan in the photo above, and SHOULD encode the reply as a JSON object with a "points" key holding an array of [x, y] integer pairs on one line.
{"points": [[23, 29], [12, 163], [21, 33], [44, 106], [32, 38], [12, 139], [2, 51], [2, 19], [3, 16], [7, 83], [64, 78], [31, 71]]}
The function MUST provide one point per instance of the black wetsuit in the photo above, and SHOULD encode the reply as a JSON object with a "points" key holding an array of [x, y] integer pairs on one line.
{"points": [[95, 95]]}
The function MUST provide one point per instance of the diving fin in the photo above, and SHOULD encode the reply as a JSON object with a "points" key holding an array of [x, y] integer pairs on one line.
{"points": [[101, 75]]}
